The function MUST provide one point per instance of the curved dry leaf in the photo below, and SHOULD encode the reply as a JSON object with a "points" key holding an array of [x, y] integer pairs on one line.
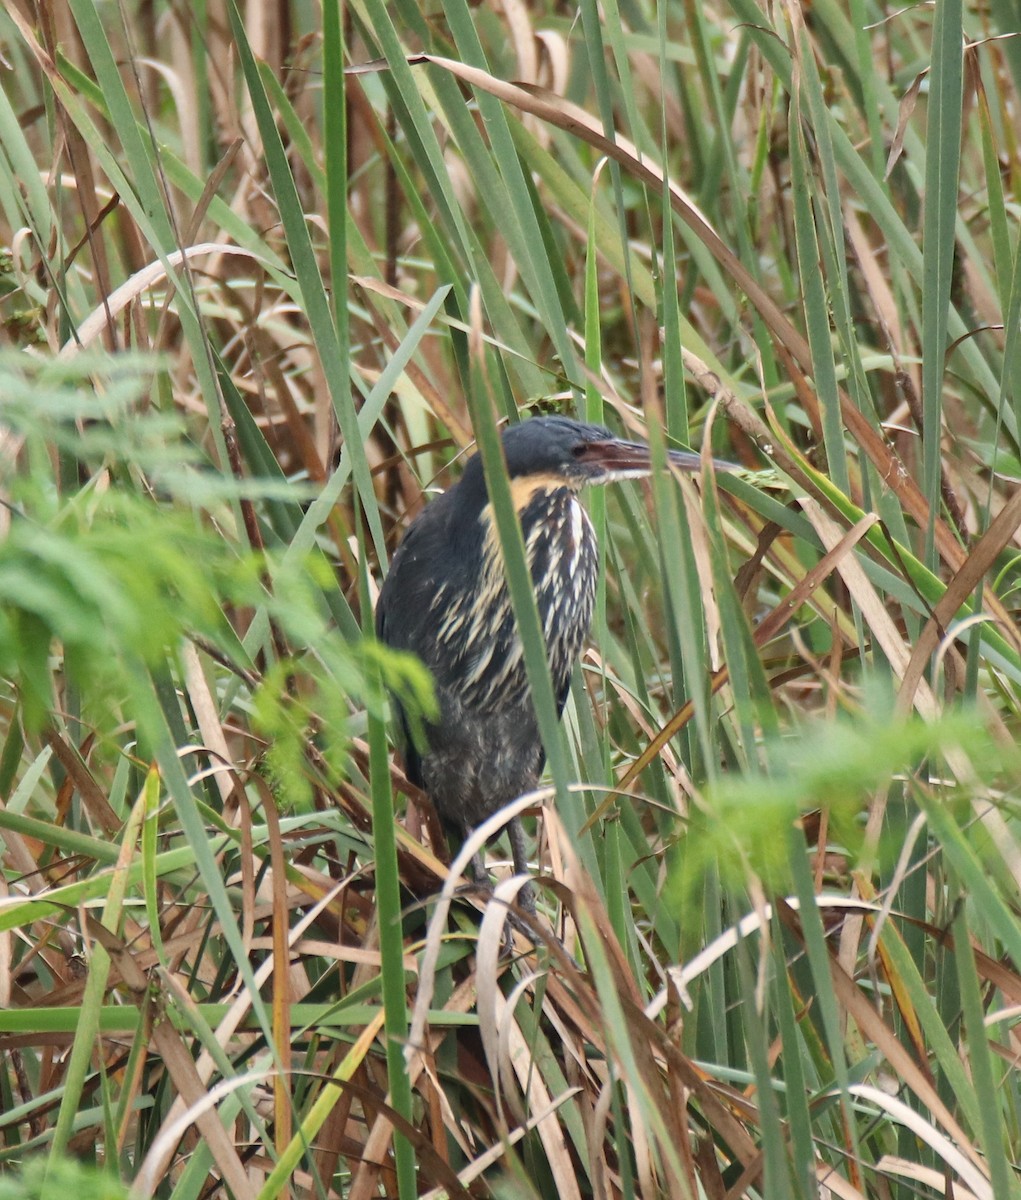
{"points": [[558, 56], [874, 1029], [551, 1131], [153, 1169], [929, 1177], [438, 924], [149, 276], [482, 1162], [904, 1115], [522, 36], [508, 1035], [837, 1185], [206, 714], [642, 1149], [681, 976], [494, 1011]]}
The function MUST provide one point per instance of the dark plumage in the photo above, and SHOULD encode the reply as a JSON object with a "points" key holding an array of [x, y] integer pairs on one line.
{"points": [[445, 599]]}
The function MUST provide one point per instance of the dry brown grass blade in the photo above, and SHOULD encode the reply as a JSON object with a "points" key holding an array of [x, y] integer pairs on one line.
{"points": [[267, 357], [884, 631], [281, 977], [836, 1184], [161, 1153], [777, 446], [964, 583], [873, 608], [995, 972], [929, 1177], [93, 796], [377, 1144], [907, 108], [680, 977], [207, 715], [877, 949], [702, 555], [151, 275], [249, 863], [880, 292], [495, 1016], [484, 1160], [639, 716], [518, 1056]]}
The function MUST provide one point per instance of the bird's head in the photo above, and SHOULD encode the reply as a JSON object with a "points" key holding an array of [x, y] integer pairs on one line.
{"points": [[576, 454]]}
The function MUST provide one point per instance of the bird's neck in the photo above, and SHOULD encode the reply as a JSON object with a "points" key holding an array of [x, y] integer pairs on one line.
{"points": [[526, 488]]}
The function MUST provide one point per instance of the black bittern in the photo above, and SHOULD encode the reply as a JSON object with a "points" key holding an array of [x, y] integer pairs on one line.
{"points": [[446, 600]]}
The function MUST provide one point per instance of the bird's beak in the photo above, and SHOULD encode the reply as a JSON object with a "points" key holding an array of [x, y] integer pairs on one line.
{"points": [[612, 458]]}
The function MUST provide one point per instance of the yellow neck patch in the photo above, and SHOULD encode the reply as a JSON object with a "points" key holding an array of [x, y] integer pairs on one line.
{"points": [[525, 488]]}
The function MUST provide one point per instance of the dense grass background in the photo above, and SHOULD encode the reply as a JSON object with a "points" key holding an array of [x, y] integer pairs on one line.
{"points": [[267, 271]]}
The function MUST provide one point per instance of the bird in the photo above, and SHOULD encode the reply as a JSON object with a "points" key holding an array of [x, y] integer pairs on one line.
{"points": [[445, 599]]}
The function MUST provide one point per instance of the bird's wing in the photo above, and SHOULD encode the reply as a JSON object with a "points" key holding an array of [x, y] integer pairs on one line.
{"points": [[409, 578], [562, 694], [403, 602], [412, 758]]}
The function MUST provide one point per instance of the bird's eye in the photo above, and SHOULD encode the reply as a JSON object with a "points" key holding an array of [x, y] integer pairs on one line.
{"points": [[578, 449]]}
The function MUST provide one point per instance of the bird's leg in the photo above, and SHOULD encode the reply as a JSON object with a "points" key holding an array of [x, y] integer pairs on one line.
{"points": [[526, 897], [482, 876]]}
